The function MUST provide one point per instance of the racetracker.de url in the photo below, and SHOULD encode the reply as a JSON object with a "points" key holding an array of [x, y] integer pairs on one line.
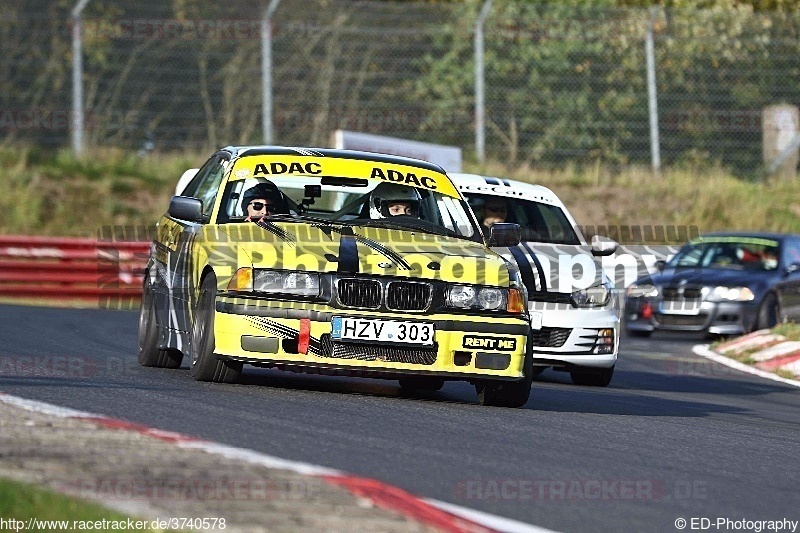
{"points": [[735, 524], [34, 524]]}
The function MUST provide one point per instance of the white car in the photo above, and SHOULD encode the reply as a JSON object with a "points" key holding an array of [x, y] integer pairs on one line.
{"points": [[575, 314]]}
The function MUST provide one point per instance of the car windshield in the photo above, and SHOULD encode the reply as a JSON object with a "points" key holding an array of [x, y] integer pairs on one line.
{"points": [[539, 222], [354, 202], [729, 253]]}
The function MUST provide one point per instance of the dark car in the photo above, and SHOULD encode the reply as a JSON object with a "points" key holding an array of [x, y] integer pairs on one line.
{"points": [[721, 284]]}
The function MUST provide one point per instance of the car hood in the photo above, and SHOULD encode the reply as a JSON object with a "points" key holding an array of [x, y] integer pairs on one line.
{"points": [[555, 267], [367, 251], [708, 276]]}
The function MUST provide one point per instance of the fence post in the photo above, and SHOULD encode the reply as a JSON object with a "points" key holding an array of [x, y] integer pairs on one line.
{"points": [[480, 118], [77, 77], [266, 72], [652, 96]]}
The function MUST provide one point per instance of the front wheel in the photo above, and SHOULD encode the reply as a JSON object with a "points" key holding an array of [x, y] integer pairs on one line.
{"points": [[593, 378], [769, 312], [507, 393], [205, 365], [149, 354]]}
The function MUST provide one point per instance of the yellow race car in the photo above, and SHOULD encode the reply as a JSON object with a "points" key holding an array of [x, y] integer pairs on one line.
{"points": [[334, 262]]}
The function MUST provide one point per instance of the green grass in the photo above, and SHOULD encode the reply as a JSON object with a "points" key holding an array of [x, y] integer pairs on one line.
{"points": [[22, 501], [790, 330], [54, 193]]}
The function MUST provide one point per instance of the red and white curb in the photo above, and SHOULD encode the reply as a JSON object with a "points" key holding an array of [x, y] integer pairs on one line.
{"points": [[703, 350], [444, 516]]}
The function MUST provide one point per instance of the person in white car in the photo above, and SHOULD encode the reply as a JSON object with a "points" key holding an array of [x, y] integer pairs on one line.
{"points": [[575, 319]]}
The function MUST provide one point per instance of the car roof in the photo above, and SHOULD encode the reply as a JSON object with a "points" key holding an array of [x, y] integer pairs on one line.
{"points": [[240, 151], [476, 183], [749, 234]]}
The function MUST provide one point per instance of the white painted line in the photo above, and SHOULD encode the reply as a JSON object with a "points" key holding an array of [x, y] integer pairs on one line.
{"points": [[258, 458], [704, 351], [793, 367], [725, 346], [44, 408], [782, 348], [754, 342], [497, 523]]}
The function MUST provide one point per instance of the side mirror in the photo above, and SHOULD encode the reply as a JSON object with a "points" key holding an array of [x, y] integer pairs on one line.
{"points": [[791, 269], [184, 180], [504, 234], [602, 246], [660, 264], [185, 208]]}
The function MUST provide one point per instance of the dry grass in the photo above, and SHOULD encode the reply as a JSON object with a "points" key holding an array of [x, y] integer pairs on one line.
{"points": [[46, 193], [708, 198], [53, 193]]}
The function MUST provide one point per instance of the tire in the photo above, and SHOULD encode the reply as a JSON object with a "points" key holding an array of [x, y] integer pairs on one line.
{"points": [[638, 333], [204, 364], [507, 393], [425, 383], [149, 354], [593, 378], [769, 312]]}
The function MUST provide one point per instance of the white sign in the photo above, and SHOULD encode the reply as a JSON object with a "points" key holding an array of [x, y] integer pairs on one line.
{"points": [[447, 157], [787, 129]]}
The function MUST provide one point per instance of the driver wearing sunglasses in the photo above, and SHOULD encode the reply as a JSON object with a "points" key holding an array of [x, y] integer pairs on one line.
{"points": [[263, 200], [260, 207]]}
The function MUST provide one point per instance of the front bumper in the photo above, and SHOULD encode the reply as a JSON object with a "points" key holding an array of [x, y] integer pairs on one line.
{"points": [[570, 336], [268, 333], [718, 318]]}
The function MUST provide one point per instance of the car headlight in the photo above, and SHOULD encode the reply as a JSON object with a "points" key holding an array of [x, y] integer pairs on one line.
{"points": [[642, 291], [595, 296], [485, 298], [730, 294], [276, 282]]}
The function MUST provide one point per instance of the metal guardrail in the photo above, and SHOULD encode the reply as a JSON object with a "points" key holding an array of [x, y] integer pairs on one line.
{"points": [[68, 268]]}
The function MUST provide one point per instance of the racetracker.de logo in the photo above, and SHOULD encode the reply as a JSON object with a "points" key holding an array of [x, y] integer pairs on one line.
{"points": [[578, 489], [12, 120], [221, 488], [172, 29]]}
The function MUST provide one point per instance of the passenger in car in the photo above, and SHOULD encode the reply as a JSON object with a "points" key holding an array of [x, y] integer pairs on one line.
{"points": [[495, 211], [391, 200]]}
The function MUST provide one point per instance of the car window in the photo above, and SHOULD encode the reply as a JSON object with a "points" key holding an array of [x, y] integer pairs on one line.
{"points": [[206, 184], [353, 204], [192, 186], [729, 253], [791, 253], [539, 222]]}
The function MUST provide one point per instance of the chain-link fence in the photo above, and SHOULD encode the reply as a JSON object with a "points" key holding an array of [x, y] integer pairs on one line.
{"points": [[563, 84]]}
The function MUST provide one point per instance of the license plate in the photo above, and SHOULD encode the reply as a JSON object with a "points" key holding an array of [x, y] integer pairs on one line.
{"points": [[679, 307], [372, 330]]}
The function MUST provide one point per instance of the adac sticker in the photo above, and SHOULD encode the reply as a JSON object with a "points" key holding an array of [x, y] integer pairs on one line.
{"points": [[259, 166], [406, 178], [290, 167], [503, 344]]}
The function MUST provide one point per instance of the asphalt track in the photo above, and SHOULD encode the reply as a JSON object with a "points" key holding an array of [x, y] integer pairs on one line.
{"points": [[673, 436]]}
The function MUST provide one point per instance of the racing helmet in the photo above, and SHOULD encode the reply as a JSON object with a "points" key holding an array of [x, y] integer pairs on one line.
{"points": [[268, 191], [386, 193]]}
